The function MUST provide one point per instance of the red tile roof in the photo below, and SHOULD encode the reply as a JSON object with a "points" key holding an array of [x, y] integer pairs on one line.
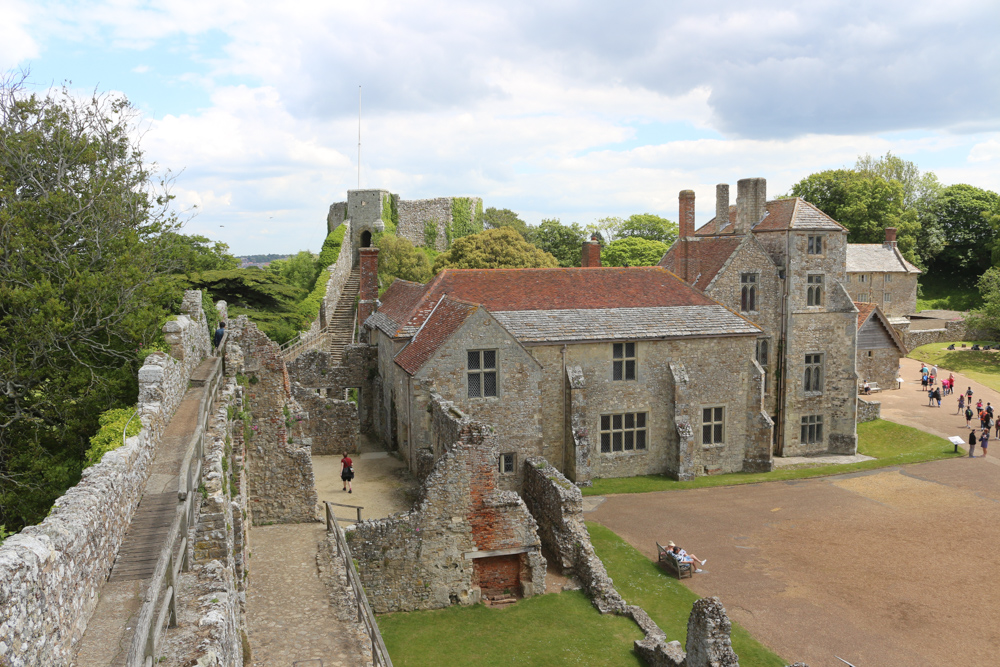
{"points": [[446, 318], [400, 298], [864, 312], [711, 252]]}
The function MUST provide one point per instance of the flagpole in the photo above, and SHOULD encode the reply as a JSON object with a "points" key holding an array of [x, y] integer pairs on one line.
{"points": [[359, 137]]}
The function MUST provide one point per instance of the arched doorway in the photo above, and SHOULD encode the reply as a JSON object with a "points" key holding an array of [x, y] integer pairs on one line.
{"points": [[366, 239]]}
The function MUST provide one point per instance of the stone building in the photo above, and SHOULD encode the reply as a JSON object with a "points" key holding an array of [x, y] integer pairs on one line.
{"points": [[605, 372], [878, 273], [879, 347], [781, 265]]}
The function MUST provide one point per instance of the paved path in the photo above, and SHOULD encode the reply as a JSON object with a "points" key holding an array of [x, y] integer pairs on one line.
{"points": [[908, 406], [288, 606]]}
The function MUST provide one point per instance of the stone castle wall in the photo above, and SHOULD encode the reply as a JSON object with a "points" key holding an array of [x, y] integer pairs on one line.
{"points": [[51, 574], [414, 214], [317, 370], [955, 330], [280, 480], [869, 410], [330, 425]]}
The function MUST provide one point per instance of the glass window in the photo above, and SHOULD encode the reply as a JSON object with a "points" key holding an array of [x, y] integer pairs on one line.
{"points": [[815, 245], [482, 373], [813, 379], [623, 432], [748, 292], [623, 361], [814, 287], [712, 426], [812, 430], [507, 463]]}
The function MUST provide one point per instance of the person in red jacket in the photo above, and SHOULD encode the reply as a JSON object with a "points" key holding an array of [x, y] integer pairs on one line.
{"points": [[347, 472]]}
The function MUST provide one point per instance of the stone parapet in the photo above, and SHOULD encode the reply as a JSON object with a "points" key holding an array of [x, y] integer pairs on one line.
{"points": [[868, 410]]}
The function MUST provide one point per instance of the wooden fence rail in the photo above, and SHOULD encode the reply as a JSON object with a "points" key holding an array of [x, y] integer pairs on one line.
{"points": [[380, 655]]}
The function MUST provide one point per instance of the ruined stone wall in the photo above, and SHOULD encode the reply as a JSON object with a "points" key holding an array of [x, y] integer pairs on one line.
{"points": [[901, 290], [869, 410], [879, 365], [424, 559], [955, 330], [51, 574], [415, 213], [336, 215], [330, 425], [358, 369], [280, 481]]}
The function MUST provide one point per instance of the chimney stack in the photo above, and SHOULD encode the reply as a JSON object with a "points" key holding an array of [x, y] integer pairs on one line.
{"points": [[689, 259], [368, 292], [751, 203], [721, 206], [890, 237], [591, 253]]}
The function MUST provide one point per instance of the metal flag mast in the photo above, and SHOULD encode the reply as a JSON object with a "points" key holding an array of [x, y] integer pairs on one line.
{"points": [[359, 137]]}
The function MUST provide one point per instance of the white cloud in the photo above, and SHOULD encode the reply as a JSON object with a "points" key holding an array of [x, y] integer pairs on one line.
{"points": [[16, 43]]}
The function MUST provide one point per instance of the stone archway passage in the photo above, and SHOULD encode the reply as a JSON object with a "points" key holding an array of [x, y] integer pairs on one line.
{"points": [[366, 239]]}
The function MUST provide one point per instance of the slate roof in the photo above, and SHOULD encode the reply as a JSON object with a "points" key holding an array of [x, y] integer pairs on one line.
{"points": [[559, 304], [782, 214], [711, 252], [446, 318], [878, 258], [539, 326]]}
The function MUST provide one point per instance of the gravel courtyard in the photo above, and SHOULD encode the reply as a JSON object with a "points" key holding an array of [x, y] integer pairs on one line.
{"points": [[889, 567]]}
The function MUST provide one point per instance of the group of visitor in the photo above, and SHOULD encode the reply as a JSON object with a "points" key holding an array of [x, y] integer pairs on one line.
{"points": [[985, 413], [682, 557]]}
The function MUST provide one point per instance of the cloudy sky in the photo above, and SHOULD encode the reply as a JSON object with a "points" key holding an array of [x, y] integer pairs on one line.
{"points": [[574, 110]]}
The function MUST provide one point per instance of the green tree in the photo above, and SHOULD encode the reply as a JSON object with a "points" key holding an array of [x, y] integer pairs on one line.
{"points": [[987, 317], [564, 242], [397, 258], [85, 247], [191, 253], [300, 269], [865, 205], [967, 214], [493, 249], [633, 251], [648, 226], [495, 218]]}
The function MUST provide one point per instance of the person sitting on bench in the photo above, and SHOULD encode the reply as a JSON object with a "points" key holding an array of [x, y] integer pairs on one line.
{"points": [[684, 557]]}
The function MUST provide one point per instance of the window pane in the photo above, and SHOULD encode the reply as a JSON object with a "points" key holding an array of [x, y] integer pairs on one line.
{"points": [[616, 421], [489, 358], [629, 440], [706, 415], [743, 298], [617, 370], [490, 384], [629, 349], [640, 440], [616, 441], [753, 298], [819, 431], [605, 422], [605, 442], [618, 349], [629, 420], [474, 390], [474, 360], [718, 414], [706, 434], [718, 433], [508, 463], [808, 378], [640, 420], [630, 369]]}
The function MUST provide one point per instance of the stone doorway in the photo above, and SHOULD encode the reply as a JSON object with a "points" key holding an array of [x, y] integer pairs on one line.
{"points": [[498, 577], [366, 239]]}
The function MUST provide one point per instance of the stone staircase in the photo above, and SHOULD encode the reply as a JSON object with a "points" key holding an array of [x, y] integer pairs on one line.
{"points": [[341, 324]]}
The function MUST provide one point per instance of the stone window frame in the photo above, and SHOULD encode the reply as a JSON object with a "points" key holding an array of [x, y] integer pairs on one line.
{"points": [[748, 291], [482, 373], [887, 278], [713, 425], [811, 430], [762, 352], [633, 434], [886, 297], [814, 289], [862, 277], [814, 240], [813, 374], [507, 463], [622, 362]]}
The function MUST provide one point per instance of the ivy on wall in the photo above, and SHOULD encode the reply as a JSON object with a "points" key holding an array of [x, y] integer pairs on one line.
{"points": [[430, 233], [464, 219], [388, 209]]}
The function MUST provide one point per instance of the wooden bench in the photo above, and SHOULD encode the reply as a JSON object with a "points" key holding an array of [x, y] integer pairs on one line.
{"points": [[872, 388], [666, 559]]}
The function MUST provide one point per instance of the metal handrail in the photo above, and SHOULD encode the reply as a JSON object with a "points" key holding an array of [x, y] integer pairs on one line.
{"points": [[380, 654], [147, 632]]}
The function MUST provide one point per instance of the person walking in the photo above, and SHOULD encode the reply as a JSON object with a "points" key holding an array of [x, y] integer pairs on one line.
{"points": [[933, 374], [930, 398], [961, 404], [924, 380], [968, 417], [996, 422], [347, 472], [972, 443], [219, 333], [968, 395], [937, 396], [984, 441]]}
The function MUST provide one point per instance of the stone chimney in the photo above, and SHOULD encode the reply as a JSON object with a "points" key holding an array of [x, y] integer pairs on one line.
{"points": [[721, 206], [890, 237], [591, 257], [368, 293], [751, 203], [689, 256]]}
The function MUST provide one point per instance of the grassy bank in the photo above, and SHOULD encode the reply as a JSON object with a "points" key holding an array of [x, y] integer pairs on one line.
{"points": [[890, 444], [937, 294], [983, 367], [666, 600]]}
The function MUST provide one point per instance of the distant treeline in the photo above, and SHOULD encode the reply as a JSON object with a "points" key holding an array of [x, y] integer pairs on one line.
{"points": [[259, 259]]}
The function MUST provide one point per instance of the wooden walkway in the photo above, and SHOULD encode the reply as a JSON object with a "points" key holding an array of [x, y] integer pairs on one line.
{"points": [[144, 540]]}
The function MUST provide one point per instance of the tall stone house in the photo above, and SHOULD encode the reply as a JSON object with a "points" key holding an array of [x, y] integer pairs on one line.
{"points": [[878, 273], [781, 264], [605, 372]]}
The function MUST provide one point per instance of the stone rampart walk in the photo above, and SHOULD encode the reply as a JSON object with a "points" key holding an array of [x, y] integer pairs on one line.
{"points": [[289, 609], [110, 629]]}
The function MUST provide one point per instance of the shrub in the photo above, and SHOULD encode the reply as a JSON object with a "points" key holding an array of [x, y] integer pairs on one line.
{"points": [[109, 437]]}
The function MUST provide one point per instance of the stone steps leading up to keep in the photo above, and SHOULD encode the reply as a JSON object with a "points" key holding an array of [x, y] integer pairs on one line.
{"points": [[341, 323]]}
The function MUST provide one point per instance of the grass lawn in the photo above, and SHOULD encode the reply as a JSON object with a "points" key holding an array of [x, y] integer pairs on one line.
{"points": [[666, 600], [890, 444], [983, 367], [555, 629], [945, 295]]}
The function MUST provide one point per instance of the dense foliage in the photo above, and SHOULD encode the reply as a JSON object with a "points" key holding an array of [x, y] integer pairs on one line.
{"points": [[86, 241], [300, 269], [397, 258], [493, 249], [633, 251], [464, 220], [112, 433], [564, 242], [495, 218]]}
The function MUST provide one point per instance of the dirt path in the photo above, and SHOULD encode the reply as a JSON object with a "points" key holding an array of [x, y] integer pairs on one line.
{"points": [[288, 606], [908, 405]]}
